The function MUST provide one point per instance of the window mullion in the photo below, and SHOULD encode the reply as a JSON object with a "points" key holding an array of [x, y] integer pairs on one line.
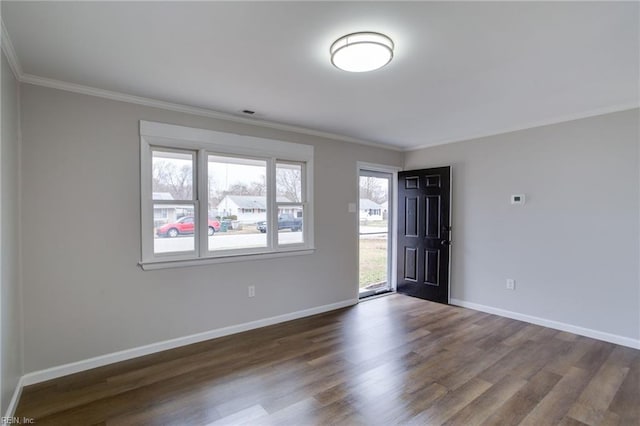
{"points": [[305, 210], [272, 208], [202, 204], [241, 162]]}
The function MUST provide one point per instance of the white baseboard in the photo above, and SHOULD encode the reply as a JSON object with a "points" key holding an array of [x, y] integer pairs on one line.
{"points": [[102, 360], [13, 404], [595, 334]]}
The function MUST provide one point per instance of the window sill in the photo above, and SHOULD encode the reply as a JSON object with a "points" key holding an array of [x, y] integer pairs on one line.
{"points": [[165, 264]]}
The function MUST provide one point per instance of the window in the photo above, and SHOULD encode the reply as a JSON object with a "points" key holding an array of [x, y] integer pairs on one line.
{"points": [[290, 201], [160, 214], [238, 184], [172, 187], [211, 197]]}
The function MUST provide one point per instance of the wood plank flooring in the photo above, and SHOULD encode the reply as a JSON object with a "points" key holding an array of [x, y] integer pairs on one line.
{"points": [[391, 360]]}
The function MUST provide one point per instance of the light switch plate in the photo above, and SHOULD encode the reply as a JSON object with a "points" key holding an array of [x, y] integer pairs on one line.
{"points": [[352, 207]]}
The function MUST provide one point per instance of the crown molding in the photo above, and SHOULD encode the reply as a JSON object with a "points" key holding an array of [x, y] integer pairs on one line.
{"points": [[203, 112], [22, 77], [14, 63], [531, 125], [9, 52]]}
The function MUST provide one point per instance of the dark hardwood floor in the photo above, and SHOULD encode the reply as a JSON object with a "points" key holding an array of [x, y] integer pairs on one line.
{"points": [[392, 360]]}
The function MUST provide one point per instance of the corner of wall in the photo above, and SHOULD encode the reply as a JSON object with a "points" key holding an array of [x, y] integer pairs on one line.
{"points": [[20, 262], [11, 395]]}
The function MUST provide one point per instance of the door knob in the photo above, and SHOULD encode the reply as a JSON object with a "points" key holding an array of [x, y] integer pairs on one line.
{"points": [[445, 243]]}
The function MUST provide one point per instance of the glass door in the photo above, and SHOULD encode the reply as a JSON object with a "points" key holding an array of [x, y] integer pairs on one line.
{"points": [[374, 214]]}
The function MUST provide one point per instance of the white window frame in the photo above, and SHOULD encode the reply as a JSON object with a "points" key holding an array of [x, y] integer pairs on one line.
{"points": [[193, 202], [204, 142], [304, 198]]}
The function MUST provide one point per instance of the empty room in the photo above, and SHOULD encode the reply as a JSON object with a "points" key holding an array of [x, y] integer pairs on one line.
{"points": [[320, 213]]}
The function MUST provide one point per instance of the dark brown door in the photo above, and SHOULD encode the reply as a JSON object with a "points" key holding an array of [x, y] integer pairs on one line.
{"points": [[423, 233]]}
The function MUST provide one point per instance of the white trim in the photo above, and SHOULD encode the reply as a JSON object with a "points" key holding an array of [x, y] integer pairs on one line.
{"points": [[22, 77], [164, 264], [530, 125], [557, 325], [202, 206], [17, 393], [174, 137], [202, 112], [272, 209], [102, 360], [308, 224], [146, 205], [378, 167], [392, 205], [10, 53], [394, 230], [99, 361]]}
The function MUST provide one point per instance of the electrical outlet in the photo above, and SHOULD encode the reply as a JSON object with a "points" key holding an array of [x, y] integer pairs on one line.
{"points": [[511, 284], [251, 291]]}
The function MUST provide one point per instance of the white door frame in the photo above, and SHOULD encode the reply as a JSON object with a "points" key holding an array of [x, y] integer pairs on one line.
{"points": [[393, 210]]}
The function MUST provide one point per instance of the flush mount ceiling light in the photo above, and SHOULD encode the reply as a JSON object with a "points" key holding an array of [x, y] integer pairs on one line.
{"points": [[360, 52]]}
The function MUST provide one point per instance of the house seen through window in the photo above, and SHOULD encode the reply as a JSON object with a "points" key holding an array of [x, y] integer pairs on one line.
{"points": [[207, 202]]}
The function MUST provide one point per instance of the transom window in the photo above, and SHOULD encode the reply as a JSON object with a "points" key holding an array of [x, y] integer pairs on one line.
{"points": [[210, 196]]}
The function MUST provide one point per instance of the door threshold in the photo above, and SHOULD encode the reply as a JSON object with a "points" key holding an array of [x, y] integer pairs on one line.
{"points": [[376, 295]]}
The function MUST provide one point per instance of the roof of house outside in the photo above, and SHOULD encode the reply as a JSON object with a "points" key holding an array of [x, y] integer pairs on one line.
{"points": [[367, 204], [162, 196], [254, 202]]}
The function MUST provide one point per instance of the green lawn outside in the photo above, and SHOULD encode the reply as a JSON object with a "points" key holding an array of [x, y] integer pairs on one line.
{"points": [[377, 223], [373, 260]]}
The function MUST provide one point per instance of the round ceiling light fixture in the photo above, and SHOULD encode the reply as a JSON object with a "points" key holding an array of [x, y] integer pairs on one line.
{"points": [[361, 52]]}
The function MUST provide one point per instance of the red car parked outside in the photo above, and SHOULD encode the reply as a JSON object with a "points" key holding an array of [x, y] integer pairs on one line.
{"points": [[185, 225]]}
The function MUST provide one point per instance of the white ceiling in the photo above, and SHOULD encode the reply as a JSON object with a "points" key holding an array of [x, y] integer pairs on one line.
{"points": [[460, 70]]}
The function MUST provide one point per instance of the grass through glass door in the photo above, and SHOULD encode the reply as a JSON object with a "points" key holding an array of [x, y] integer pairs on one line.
{"points": [[374, 220], [373, 261]]}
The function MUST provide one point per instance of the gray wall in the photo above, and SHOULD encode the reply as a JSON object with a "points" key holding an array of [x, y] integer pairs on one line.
{"points": [[573, 247], [83, 292], [11, 356]]}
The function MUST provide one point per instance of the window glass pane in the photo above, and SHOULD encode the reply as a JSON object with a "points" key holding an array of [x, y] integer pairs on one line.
{"points": [[237, 197], [290, 223], [375, 234], [289, 183], [172, 175], [173, 228]]}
